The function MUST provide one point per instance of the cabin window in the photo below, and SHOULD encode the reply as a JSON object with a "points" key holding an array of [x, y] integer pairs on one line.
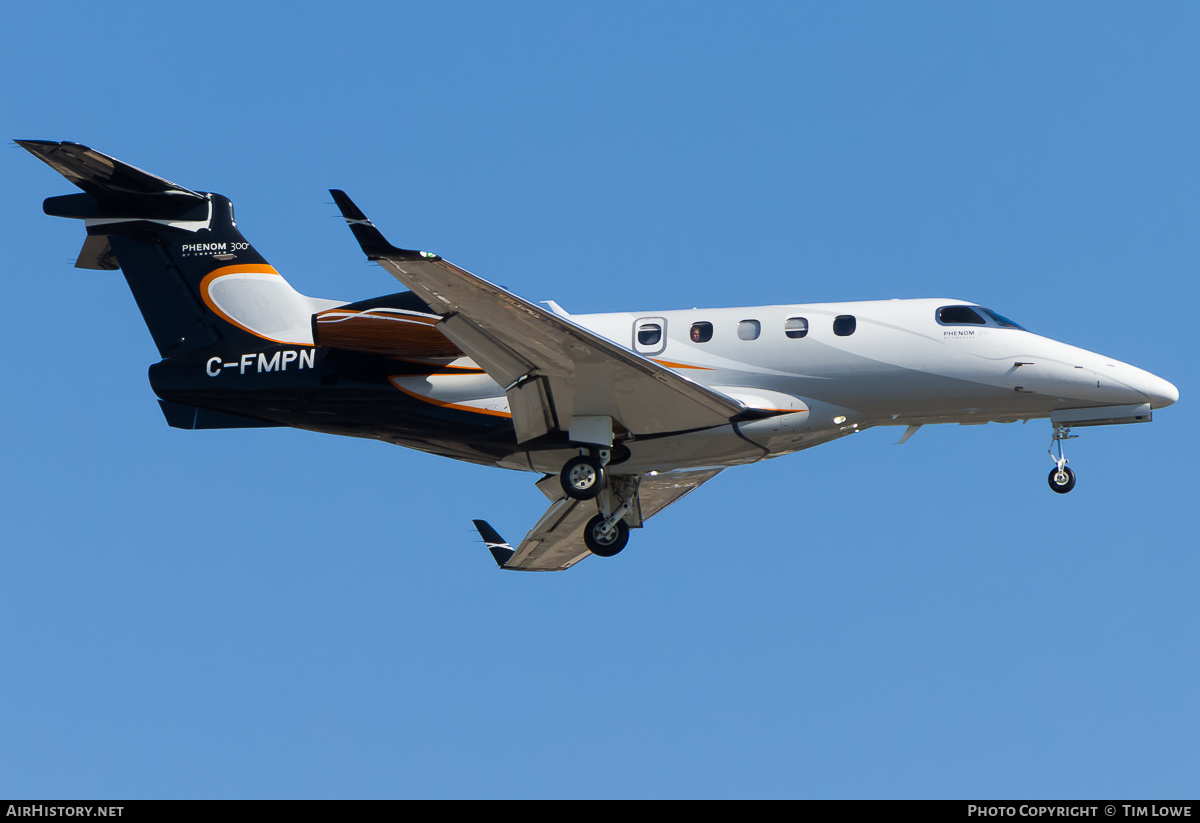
{"points": [[749, 329], [649, 334], [844, 325], [701, 332], [959, 316], [795, 327]]}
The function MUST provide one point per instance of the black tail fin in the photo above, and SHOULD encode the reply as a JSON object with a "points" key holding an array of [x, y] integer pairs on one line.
{"points": [[195, 278]]}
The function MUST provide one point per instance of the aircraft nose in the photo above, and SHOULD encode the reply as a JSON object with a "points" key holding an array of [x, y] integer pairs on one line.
{"points": [[1158, 392], [1161, 392]]}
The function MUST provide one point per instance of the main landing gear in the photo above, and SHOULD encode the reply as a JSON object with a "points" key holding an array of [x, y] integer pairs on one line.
{"points": [[582, 478], [585, 478], [605, 543], [1061, 479]]}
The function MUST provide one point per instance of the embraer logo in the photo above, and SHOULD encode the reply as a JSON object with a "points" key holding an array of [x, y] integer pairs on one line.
{"points": [[259, 363]]}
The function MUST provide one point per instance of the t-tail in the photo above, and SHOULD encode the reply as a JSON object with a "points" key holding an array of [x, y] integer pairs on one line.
{"points": [[196, 280]]}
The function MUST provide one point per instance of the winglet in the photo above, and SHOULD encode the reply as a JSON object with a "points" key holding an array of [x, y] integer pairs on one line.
{"points": [[501, 551], [374, 245]]}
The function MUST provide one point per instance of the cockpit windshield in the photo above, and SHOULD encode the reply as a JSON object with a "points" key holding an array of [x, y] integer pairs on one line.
{"points": [[1003, 321], [959, 316], [973, 316]]}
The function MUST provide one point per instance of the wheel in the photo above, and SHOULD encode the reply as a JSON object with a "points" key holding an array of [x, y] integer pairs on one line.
{"points": [[582, 478], [605, 545], [1061, 480]]}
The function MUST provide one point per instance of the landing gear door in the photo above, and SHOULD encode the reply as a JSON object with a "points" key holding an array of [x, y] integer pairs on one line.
{"points": [[649, 335]]}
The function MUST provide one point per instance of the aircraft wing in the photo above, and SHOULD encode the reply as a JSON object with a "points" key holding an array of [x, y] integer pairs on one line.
{"points": [[553, 370], [556, 541]]}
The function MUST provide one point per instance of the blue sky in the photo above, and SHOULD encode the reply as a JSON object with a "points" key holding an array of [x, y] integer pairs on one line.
{"points": [[281, 614]]}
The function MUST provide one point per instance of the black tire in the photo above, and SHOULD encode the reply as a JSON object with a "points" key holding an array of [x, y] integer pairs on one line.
{"points": [[1063, 484], [599, 545], [582, 478]]}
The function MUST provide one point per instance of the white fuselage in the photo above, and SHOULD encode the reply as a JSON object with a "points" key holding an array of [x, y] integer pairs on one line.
{"points": [[887, 362]]}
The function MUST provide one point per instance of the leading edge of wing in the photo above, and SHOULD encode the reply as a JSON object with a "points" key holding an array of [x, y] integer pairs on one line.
{"points": [[515, 340]]}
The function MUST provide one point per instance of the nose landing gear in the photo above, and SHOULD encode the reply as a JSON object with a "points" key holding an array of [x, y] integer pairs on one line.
{"points": [[1061, 479]]}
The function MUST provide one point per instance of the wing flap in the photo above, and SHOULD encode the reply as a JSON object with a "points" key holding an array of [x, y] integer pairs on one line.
{"points": [[555, 542], [502, 364], [658, 491], [531, 409]]}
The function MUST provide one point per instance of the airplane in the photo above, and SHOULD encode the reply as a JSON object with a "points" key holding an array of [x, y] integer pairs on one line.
{"points": [[621, 413]]}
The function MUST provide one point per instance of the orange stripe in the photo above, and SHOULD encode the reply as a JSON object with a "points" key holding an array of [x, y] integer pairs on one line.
{"points": [[438, 366], [672, 365], [445, 405]]}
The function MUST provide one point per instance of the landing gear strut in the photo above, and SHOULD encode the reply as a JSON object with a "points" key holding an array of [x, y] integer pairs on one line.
{"points": [[1061, 479], [608, 532], [585, 477]]}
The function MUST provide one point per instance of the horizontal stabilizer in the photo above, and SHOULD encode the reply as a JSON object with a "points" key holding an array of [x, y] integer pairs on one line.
{"points": [[101, 176]]}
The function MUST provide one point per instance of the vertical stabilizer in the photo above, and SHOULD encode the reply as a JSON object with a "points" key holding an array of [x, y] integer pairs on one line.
{"points": [[196, 279]]}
